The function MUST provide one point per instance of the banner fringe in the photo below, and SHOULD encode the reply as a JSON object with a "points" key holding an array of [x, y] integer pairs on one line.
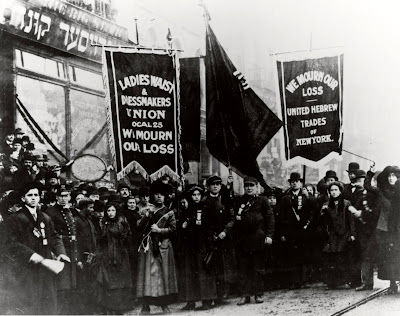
{"points": [[166, 170], [132, 166]]}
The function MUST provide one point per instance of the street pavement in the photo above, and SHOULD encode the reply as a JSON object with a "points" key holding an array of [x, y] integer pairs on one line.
{"points": [[315, 300]]}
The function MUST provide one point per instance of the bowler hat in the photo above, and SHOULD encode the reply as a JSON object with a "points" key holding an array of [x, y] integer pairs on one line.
{"points": [[294, 176], [17, 140], [360, 174], [353, 166], [330, 174], [250, 180], [213, 179], [28, 156], [18, 131], [39, 158]]}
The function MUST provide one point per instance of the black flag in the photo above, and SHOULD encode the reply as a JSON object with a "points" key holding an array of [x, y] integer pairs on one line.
{"points": [[239, 123]]}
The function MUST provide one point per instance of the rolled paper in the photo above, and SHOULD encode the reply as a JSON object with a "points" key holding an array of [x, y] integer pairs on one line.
{"points": [[53, 265]]}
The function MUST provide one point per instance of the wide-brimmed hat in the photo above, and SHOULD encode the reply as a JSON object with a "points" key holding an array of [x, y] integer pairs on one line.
{"points": [[353, 166], [294, 176], [330, 174], [213, 179]]}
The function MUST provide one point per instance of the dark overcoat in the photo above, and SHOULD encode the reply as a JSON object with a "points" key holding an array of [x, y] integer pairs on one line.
{"points": [[34, 285]]}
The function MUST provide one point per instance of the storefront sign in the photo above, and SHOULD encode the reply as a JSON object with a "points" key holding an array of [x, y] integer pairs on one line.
{"points": [[142, 113], [60, 25], [311, 94]]}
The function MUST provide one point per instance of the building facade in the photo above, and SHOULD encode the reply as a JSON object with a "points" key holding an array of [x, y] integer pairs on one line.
{"points": [[51, 62]]}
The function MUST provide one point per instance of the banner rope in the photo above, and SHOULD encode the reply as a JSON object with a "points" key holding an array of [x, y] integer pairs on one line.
{"points": [[178, 114], [39, 129]]}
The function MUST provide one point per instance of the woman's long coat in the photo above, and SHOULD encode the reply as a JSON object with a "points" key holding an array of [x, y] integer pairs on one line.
{"points": [[156, 277]]}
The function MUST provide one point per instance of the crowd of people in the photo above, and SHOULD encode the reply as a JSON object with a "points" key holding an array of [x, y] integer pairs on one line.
{"points": [[156, 245]]}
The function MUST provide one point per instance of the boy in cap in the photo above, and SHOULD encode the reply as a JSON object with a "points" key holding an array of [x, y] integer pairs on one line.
{"points": [[254, 224]]}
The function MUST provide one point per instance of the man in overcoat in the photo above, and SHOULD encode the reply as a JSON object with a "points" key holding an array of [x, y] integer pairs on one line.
{"points": [[32, 238], [254, 226], [296, 211], [62, 215], [219, 221]]}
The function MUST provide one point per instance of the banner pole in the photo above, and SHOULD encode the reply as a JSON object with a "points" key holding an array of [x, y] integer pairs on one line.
{"points": [[304, 173], [206, 19]]}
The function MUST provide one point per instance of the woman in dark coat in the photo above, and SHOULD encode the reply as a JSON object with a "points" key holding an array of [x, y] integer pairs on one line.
{"points": [[196, 283], [388, 232], [115, 271], [156, 278], [133, 216], [337, 218]]}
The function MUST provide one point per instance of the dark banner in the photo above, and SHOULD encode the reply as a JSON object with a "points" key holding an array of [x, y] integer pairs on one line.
{"points": [[311, 93], [142, 113], [190, 108]]}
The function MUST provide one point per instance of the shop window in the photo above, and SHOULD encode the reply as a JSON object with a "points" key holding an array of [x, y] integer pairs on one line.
{"points": [[39, 64], [45, 102], [85, 78], [88, 118]]}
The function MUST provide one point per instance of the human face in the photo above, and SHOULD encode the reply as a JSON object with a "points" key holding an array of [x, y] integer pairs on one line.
{"points": [[63, 198], [79, 197], [145, 199], [90, 208], [159, 198], [13, 169], [310, 190], [352, 175], [250, 188], [215, 187], [94, 197], [392, 178], [111, 212], [31, 198], [328, 181], [272, 200], [296, 184], [10, 137], [359, 182], [196, 196], [28, 164], [17, 146], [98, 214], [124, 192], [131, 204], [53, 181], [334, 191], [184, 204]]}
